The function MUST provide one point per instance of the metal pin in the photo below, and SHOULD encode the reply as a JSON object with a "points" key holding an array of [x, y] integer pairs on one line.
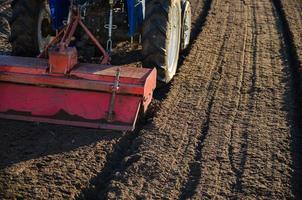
{"points": [[109, 41]]}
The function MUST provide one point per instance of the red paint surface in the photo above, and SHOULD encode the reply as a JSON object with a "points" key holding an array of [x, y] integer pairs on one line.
{"points": [[29, 92], [48, 102]]}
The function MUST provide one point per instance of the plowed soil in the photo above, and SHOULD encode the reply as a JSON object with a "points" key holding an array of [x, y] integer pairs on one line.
{"points": [[227, 129], [39, 161], [293, 11], [223, 131]]}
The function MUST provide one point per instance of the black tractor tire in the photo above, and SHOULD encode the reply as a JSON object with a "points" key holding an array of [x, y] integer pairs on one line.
{"points": [[25, 30], [161, 37]]}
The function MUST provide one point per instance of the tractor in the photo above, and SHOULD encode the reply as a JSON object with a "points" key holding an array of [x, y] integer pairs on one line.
{"points": [[43, 80]]}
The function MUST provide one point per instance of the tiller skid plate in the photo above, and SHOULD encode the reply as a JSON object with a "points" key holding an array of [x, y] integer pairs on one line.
{"points": [[90, 95]]}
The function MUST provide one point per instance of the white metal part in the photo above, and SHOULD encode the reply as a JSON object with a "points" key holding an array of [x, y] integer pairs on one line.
{"points": [[109, 41], [186, 26]]}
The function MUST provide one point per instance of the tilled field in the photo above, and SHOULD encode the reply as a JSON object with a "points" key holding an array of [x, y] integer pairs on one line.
{"points": [[293, 12], [224, 130], [291, 15], [227, 129]]}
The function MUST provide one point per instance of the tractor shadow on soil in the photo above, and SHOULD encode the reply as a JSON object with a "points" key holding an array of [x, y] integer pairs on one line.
{"points": [[23, 141], [102, 180], [292, 95], [294, 118]]}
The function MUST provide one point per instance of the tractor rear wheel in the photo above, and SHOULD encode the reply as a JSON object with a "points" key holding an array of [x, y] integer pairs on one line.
{"points": [[161, 37], [30, 27]]}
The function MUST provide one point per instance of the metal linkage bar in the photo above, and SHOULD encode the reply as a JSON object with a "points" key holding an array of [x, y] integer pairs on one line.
{"points": [[68, 33]]}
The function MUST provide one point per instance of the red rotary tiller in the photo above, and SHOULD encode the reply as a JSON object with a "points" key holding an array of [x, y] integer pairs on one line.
{"points": [[60, 90]]}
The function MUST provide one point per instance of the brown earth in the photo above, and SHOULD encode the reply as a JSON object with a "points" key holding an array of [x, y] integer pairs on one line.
{"points": [[291, 15], [293, 11], [39, 161], [224, 131]]}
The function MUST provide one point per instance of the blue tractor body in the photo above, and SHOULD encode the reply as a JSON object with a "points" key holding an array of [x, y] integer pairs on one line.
{"points": [[135, 8], [160, 29]]}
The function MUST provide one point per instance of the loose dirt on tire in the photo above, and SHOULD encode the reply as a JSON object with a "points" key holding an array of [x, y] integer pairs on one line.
{"points": [[4, 26], [224, 129]]}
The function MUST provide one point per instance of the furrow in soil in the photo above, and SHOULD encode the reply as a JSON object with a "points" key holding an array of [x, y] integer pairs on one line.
{"points": [[223, 131], [289, 27], [228, 127]]}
